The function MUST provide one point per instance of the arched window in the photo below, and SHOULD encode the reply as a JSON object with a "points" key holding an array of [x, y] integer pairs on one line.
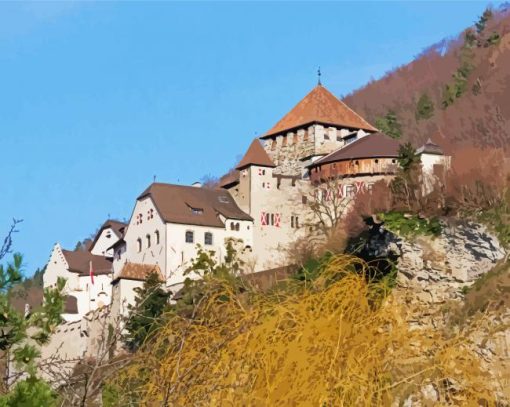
{"points": [[156, 233], [139, 244], [238, 226], [232, 226], [208, 238], [148, 238]]}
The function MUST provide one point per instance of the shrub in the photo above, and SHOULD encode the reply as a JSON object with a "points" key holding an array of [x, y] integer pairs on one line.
{"points": [[331, 341], [410, 225]]}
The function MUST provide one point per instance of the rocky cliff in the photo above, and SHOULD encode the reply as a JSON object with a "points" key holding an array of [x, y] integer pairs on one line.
{"points": [[438, 277]]}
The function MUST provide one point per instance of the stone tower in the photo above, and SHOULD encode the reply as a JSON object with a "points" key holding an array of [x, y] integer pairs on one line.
{"points": [[318, 125]]}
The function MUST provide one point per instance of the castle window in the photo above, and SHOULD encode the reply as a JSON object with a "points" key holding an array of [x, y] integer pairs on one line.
{"points": [[148, 239], [238, 226], [304, 199], [356, 162], [272, 219], [273, 145], [189, 236], [232, 226], [139, 244], [326, 136], [208, 240], [156, 233], [294, 222], [393, 161], [376, 160]]}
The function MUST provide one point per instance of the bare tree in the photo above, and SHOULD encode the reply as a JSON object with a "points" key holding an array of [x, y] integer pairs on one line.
{"points": [[7, 243], [329, 203]]}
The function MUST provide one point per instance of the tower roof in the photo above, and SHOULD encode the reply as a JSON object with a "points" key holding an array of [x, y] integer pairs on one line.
{"points": [[430, 148], [256, 155], [320, 106]]}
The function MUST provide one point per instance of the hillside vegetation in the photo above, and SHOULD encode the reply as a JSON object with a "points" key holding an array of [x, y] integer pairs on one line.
{"points": [[456, 91], [339, 339]]}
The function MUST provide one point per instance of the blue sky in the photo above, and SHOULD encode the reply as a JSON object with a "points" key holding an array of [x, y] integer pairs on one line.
{"points": [[97, 98]]}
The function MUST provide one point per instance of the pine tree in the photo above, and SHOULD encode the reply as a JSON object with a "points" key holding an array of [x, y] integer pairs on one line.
{"points": [[150, 303], [424, 107], [389, 125]]}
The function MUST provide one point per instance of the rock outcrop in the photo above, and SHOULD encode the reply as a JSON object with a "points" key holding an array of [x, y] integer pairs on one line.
{"points": [[434, 273]]}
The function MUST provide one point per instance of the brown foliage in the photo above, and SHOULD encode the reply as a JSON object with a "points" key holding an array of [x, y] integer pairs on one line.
{"points": [[481, 117]]}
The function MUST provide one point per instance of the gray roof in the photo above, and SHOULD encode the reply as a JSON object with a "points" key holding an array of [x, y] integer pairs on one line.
{"points": [[430, 148]]}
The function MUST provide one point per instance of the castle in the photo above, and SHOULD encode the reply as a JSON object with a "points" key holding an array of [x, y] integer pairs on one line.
{"points": [[263, 204]]}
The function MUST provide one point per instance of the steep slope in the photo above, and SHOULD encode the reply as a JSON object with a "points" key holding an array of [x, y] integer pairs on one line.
{"points": [[480, 116]]}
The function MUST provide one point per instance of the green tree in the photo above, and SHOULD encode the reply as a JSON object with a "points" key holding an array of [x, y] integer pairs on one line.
{"points": [[406, 187], [407, 157], [32, 392], [482, 21], [212, 274], [18, 346], [389, 125], [424, 107], [150, 303]]}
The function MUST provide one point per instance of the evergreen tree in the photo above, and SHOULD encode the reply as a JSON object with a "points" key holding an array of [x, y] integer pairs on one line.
{"points": [[21, 335], [424, 107], [389, 125], [150, 303], [482, 21], [407, 157]]}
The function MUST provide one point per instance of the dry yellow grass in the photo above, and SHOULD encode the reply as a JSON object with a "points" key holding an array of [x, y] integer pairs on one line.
{"points": [[333, 342]]}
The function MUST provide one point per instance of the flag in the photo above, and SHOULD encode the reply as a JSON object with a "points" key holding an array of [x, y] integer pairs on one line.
{"points": [[91, 273]]}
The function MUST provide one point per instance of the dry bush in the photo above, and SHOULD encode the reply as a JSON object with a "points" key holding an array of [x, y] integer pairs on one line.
{"points": [[334, 341], [478, 180]]}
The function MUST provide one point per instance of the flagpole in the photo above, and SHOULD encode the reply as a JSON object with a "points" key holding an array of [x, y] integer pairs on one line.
{"points": [[90, 271]]}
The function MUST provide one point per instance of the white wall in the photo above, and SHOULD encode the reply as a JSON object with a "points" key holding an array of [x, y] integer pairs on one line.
{"points": [[57, 267], [105, 240], [155, 254], [429, 160], [89, 297], [180, 253]]}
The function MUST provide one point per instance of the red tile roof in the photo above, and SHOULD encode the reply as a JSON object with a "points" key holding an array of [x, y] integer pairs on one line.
{"points": [[372, 146], [256, 155], [140, 272], [175, 204], [320, 106], [79, 262]]}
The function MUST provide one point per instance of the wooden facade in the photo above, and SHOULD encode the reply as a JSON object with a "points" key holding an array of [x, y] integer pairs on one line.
{"points": [[352, 168]]}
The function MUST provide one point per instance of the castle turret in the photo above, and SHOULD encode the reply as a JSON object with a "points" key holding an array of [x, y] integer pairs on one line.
{"points": [[318, 125], [255, 174]]}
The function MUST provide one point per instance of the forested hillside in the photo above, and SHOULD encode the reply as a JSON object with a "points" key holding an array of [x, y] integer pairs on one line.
{"points": [[456, 91]]}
